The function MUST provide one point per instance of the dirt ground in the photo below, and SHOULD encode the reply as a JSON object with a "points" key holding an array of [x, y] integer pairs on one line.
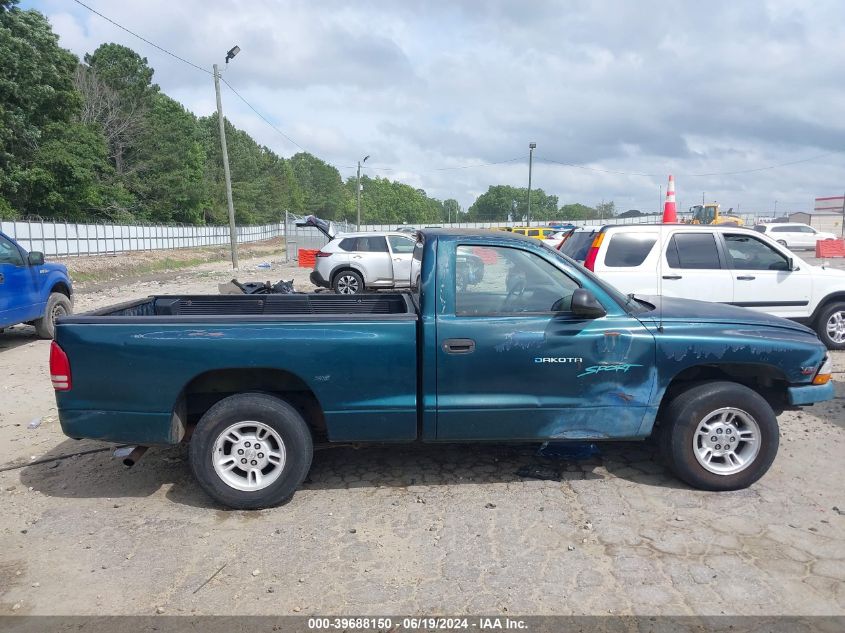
{"points": [[433, 530]]}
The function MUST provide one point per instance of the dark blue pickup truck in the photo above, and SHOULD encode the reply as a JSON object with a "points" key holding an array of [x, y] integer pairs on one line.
{"points": [[30, 290], [531, 348]]}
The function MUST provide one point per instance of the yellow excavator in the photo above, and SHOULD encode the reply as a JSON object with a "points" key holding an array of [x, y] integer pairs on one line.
{"points": [[712, 214]]}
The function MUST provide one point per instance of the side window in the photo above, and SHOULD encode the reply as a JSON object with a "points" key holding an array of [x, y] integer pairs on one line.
{"points": [[629, 249], [807, 229], [748, 253], [534, 233], [349, 244], [495, 280], [693, 251], [400, 245], [781, 229], [9, 253]]}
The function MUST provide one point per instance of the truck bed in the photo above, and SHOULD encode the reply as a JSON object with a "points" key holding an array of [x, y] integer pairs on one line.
{"points": [[292, 306]]}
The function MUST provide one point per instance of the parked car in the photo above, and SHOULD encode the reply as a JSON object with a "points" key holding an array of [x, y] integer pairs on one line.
{"points": [[32, 291], [353, 263], [556, 239], [537, 232], [794, 235], [716, 263], [536, 349]]}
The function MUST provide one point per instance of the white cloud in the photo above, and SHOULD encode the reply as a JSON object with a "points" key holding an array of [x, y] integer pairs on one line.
{"points": [[686, 88]]}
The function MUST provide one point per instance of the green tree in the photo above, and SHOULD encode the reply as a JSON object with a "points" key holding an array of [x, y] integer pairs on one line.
{"points": [[389, 202], [501, 201], [577, 211], [36, 91], [322, 188], [606, 209], [451, 210]]}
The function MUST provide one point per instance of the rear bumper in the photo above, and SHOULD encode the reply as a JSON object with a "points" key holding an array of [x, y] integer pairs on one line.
{"points": [[810, 394], [317, 279], [121, 427]]}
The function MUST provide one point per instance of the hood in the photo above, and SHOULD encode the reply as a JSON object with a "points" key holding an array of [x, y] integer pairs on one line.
{"points": [[691, 311], [827, 271]]}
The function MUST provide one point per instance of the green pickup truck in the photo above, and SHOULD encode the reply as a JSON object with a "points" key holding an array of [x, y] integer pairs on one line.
{"points": [[501, 339]]}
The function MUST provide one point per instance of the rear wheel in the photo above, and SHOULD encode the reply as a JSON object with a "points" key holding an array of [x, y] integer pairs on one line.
{"points": [[57, 305], [830, 326], [719, 436], [348, 282], [251, 451], [782, 242]]}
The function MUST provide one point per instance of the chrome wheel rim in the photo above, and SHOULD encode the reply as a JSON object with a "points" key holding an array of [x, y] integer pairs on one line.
{"points": [[726, 441], [347, 285], [249, 456], [835, 327]]}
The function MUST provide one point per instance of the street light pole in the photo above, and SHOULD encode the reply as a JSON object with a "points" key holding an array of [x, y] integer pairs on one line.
{"points": [[358, 190], [233, 239], [531, 147]]}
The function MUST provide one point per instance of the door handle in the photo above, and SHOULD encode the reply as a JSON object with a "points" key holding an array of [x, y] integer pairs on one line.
{"points": [[746, 278], [458, 346], [397, 259], [356, 257], [672, 277]]}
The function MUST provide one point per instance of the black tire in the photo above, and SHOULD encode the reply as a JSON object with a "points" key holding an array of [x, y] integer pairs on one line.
{"points": [[277, 414], [681, 419], [829, 312], [782, 242], [57, 305], [348, 282]]}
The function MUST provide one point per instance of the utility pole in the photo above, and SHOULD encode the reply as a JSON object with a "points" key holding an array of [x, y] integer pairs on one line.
{"points": [[531, 147], [226, 173], [358, 190]]}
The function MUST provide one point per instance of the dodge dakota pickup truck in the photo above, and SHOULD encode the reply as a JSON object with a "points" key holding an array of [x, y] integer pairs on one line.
{"points": [[536, 348]]}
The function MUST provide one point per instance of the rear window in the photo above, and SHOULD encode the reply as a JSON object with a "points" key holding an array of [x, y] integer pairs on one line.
{"points": [[364, 244], [578, 245], [691, 250], [629, 249]]}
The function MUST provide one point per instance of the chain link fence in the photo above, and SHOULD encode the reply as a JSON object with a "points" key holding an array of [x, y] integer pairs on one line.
{"points": [[68, 239]]}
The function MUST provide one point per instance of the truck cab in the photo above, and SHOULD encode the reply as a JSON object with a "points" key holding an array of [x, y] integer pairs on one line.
{"points": [[32, 291]]}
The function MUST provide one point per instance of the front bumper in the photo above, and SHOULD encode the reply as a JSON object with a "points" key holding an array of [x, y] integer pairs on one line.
{"points": [[317, 279], [809, 394]]}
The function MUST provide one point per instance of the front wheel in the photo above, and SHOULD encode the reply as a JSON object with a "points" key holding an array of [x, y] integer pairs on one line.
{"points": [[251, 451], [782, 242], [830, 326], [58, 305], [719, 436]]}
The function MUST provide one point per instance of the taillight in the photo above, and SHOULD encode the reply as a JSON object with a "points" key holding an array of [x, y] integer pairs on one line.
{"points": [[59, 368], [322, 254], [590, 262]]}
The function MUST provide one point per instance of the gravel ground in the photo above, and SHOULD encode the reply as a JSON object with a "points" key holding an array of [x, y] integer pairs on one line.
{"points": [[413, 529]]}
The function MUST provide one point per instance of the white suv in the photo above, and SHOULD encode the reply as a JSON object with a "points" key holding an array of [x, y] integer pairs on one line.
{"points": [[794, 235], [353, 262], [723, 264]]}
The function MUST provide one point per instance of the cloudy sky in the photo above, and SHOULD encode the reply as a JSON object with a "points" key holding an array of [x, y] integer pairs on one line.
{"points": [[432, 89]]}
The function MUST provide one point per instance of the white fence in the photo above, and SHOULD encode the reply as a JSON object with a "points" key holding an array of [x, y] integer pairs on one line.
{"points": [[69, 239]]}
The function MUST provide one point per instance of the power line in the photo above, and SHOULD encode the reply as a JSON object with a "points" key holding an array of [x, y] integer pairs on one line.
{"points": [[261, 116], [143, 39]]}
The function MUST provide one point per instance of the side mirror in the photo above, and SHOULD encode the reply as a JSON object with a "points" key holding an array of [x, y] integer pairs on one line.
{"points": [[36, 258], [585, 304]]}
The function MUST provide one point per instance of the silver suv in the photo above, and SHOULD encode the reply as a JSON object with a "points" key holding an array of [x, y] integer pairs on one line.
{"points": [[354, 262]]}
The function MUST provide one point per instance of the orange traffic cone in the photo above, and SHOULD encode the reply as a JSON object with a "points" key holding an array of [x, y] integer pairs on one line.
{"points": [[670, 213]]}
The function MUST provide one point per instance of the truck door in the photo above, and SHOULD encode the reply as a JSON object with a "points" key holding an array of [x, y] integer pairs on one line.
{"points": [[402, 254], [514, 364], [19, 299], [762, 280]]}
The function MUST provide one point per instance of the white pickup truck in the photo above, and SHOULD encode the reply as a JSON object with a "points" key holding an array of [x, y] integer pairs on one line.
{"points": [[724, 264]]}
